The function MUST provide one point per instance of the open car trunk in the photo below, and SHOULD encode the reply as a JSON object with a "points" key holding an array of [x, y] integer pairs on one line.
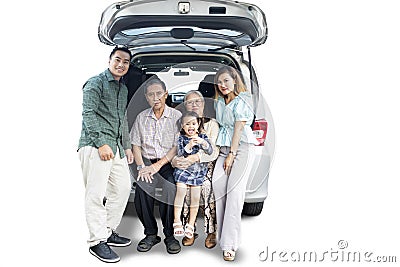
{"points": [[213, 24]]}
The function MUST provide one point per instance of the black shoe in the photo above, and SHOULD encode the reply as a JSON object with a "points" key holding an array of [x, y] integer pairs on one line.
{"points": [[148, 242], [172, 245], [104, 253], [118, 241]]}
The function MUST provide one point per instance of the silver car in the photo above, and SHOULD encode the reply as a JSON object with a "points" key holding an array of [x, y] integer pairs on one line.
{"points": [[185, 43]]}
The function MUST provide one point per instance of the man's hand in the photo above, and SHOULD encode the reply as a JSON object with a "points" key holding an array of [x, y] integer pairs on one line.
{"points": [[146, 173], [105, 152], [129, 156]]}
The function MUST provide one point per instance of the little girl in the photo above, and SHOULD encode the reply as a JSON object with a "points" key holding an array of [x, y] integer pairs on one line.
{"points": [[190, 142]]}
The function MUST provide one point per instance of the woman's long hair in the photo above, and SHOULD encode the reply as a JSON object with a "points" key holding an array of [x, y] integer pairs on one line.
{"points": [[239, 84]]}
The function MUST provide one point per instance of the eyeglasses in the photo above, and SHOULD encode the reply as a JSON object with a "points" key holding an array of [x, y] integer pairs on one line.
{"points": [[196, 102], [157, 94]]}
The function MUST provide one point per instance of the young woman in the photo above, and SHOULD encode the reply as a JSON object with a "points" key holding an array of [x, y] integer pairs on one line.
{"points": [[235, 114]]}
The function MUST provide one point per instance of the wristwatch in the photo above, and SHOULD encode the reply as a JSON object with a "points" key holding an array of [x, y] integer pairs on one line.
{"points": [[140, 167], [233, 153]]}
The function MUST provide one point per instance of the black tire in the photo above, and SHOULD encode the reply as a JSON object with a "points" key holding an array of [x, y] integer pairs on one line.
{"points": [[252, 209]]}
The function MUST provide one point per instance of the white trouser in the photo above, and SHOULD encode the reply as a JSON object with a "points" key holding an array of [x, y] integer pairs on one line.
{"points": [[229, 194], [110, 179]]}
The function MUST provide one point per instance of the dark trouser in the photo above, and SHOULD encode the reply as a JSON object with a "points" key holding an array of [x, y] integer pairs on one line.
{"points": [[145, 196]]}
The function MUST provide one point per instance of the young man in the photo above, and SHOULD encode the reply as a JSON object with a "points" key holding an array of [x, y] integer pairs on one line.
{"points": [[105, 152], [154, 140]]}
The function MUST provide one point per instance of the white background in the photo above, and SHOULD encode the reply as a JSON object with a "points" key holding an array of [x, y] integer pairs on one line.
{"points": [[330, 73]]}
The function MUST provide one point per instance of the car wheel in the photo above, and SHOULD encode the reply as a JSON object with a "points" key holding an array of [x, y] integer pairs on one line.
{"points": [[252, 209]]}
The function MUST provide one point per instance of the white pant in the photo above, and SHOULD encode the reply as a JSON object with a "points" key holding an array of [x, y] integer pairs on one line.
{"points": [[110, 179], [229, 194]]}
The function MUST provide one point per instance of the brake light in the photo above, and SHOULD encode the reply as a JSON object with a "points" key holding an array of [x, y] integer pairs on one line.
{"points": [[260, 130]]}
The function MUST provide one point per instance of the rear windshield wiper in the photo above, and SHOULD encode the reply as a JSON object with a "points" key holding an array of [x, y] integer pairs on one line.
{"points": [[184, 42]]}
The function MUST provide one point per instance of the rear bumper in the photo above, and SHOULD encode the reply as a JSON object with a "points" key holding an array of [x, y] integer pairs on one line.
{"points": [[257, 184], [258, 195]]}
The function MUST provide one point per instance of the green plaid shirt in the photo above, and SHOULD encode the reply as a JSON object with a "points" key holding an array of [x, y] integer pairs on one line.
{"points": [[104, 120]]}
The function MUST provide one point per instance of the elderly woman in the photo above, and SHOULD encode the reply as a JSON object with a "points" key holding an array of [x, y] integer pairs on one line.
{"points": [[194, 101]]}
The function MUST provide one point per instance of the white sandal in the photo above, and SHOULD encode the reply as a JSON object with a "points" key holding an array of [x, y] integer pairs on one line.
{"points": [[229, 255], [189, 231], [178, 229]]}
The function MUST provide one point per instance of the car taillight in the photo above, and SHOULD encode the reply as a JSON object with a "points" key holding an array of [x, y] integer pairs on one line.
{"points": [[260, 130]]}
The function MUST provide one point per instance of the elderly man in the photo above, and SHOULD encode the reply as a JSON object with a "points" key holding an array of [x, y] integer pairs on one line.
{"points": [[154, 139]]}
